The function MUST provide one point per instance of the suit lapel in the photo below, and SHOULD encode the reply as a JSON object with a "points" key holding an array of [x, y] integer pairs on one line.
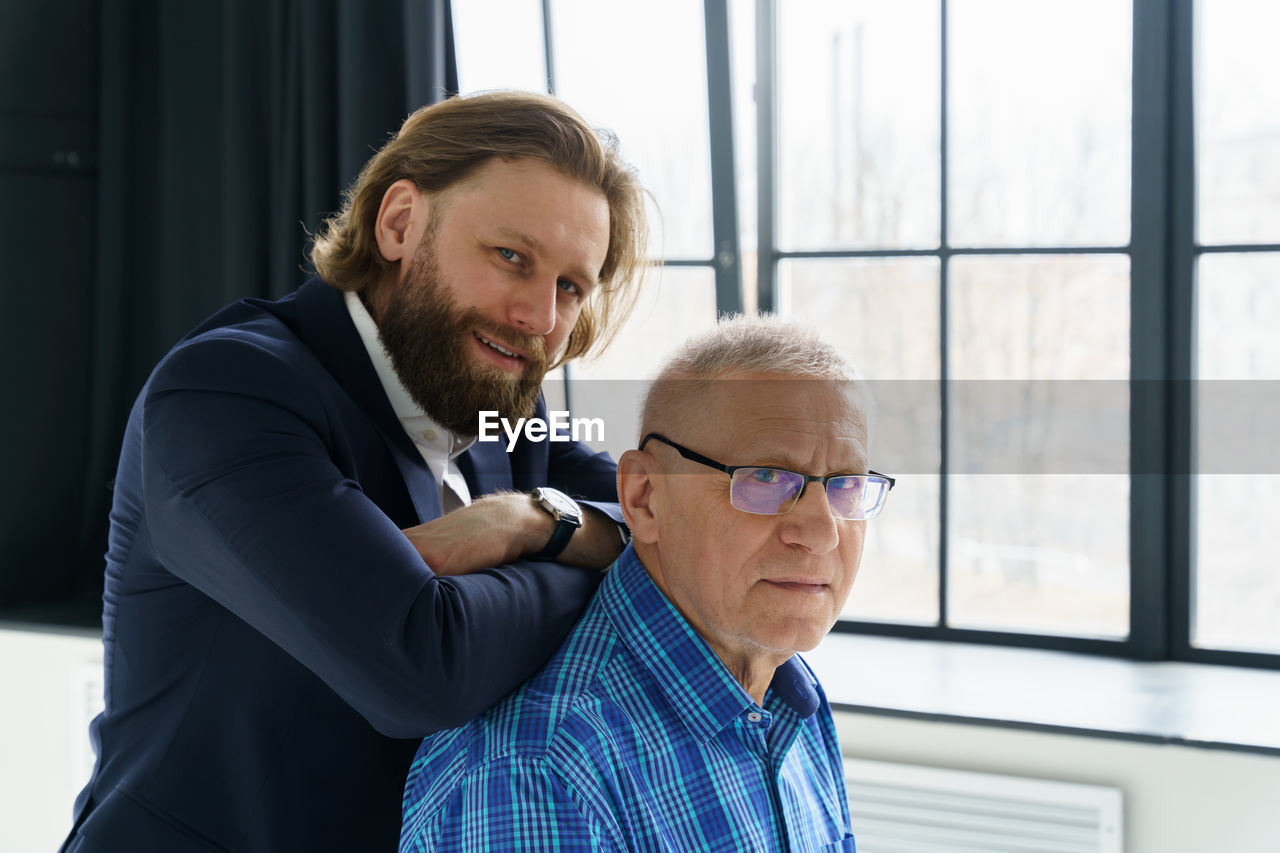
{"points": [[417, 478], [486, 468], [325, 326]]}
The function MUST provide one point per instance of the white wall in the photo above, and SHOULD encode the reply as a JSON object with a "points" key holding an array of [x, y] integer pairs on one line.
{"points": [[1177, 799], [50, 687]]}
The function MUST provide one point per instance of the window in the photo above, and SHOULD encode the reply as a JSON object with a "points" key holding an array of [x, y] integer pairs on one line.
{"points": [[1060, 280], [1007, 280]]}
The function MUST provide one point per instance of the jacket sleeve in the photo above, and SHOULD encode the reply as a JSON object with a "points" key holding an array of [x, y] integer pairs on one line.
{"points": [[245, 502]]}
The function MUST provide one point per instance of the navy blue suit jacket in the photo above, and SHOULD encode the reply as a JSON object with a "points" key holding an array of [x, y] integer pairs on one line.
{"points": [[274, 646]]}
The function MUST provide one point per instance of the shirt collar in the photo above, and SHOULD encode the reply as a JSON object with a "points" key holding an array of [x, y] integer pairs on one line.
{"points": [[411, 415], [401, 402], [694, 680]]}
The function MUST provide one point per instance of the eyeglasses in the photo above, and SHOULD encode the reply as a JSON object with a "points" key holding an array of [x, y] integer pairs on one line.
{"points": [[774, 491]]}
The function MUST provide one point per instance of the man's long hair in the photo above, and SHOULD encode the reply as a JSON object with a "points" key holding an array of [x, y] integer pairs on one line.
{"points": [[442, 144]]}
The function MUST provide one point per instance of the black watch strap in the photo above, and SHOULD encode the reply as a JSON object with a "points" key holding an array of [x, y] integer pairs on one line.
{"points": [[558, 542], [568, 518]]}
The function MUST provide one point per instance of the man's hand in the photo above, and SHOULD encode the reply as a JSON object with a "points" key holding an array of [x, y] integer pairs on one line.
{"points": [[504, 527]]}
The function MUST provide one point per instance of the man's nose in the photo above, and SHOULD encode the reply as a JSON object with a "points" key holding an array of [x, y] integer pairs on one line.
{"points": [[532, 307], [810, 523]]}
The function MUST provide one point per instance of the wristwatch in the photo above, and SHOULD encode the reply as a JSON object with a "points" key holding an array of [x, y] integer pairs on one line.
{"points": [[567, 515]]}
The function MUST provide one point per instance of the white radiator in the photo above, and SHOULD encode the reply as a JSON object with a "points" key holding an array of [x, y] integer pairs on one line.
{"points": [[903, 808]]}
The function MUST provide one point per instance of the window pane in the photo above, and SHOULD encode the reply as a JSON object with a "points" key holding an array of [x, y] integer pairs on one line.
{"points": [[1039, 105], [881, 312], [1045, 554], [1237, 588], [858, 119], [675, 304], [641, 70], [1238, 316], [898, 578], [1038, 511], [884, 316], [1238, 122], [505, 57], [1040, 317]]}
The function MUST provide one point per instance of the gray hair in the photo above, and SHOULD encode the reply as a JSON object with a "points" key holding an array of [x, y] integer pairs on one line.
{"points": [[739, 345]]}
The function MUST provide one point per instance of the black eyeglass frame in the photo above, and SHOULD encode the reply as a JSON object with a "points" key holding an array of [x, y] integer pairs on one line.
{"points": [[695, 456]]}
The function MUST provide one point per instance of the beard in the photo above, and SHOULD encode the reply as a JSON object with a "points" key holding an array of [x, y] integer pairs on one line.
{"points": [[427, 334]]}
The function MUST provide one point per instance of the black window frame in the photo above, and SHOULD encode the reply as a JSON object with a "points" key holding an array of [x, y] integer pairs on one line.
{"points": [[1163, 255]]}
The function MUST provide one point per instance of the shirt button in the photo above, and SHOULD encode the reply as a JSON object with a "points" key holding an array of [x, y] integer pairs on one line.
{"points": [[429, 435], [754, 717]]}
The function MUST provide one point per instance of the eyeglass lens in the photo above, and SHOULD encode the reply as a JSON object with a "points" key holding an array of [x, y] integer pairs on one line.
{"points": [[772, 491]]}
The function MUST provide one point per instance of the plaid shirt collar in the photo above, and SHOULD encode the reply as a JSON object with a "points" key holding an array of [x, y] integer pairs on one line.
{"points": [[693, 679]]}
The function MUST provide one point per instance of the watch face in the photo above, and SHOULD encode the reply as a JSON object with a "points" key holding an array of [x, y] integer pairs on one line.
{"points": [[558, 501]]}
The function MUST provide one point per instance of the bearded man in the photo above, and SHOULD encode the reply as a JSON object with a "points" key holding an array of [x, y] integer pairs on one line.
{"points": [[311, 561]]}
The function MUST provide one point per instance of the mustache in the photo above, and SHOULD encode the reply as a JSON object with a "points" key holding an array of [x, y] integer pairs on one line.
{"points": [[533, 347]]}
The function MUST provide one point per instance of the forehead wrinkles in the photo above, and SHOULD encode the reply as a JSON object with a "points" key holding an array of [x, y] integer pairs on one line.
{"points": [[768, 420], [837, 444]]}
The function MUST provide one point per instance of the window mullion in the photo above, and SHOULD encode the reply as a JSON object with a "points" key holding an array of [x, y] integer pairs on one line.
{"points": [[766, 154], [1152, 174], [548, 51], [724, 196], [944, 323], [1182, 349]]}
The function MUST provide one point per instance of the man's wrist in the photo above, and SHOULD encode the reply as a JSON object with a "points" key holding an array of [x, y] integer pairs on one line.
{"points": [[566, 515]]}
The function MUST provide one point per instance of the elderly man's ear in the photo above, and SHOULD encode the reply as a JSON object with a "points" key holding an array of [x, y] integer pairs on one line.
{"points": [[640, 500]]}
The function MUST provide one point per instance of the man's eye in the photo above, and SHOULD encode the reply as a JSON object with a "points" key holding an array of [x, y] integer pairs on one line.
{"points": [[569, 287], [765, 475], [509, 254]]}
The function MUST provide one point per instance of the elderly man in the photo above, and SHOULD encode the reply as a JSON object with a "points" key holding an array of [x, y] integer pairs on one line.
{"points": [[276, 646], [677, 716]]}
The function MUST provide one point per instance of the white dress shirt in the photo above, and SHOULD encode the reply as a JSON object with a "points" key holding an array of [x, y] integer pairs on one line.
{"points": [[439, 447]]}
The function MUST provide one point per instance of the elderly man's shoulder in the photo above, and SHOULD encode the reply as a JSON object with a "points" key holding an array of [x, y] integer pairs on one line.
{"points": [[577, 705], [539, 761]]}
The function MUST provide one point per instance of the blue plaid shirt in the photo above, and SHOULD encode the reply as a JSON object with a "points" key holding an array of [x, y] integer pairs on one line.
{"points": [[635, 737]]}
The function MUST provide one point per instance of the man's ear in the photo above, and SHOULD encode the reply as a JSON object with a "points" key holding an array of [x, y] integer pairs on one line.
{"points": [[637, 494], [396, 217]]}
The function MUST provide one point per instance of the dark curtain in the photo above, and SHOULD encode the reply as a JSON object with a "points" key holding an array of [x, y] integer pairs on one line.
{"points": [[48, 180], [226, 132]]}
